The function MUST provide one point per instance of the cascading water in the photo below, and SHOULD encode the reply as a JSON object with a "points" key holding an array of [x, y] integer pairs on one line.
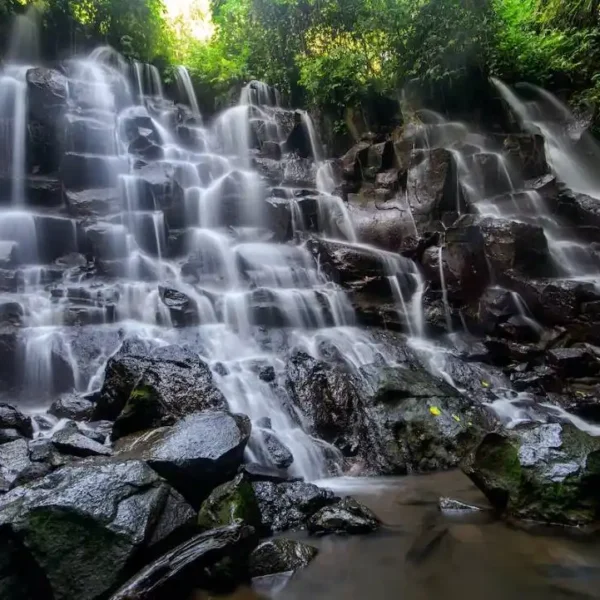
{"points": [[167, 206]]}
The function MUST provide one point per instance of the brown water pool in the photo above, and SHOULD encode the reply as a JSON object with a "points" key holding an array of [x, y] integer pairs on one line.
{"points": [[422, 554]]}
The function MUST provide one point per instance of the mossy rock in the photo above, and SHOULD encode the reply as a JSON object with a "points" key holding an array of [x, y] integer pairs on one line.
{"points": [[231, 503], [542, 472]]}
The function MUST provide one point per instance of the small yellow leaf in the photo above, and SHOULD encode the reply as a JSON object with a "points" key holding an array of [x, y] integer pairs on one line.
{"points": [[457, 419], [470, 424], [579, 393], [485, 384], [435, 411]]}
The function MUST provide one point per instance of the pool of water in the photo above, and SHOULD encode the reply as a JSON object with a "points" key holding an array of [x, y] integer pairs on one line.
{"points": [[422, 554]]}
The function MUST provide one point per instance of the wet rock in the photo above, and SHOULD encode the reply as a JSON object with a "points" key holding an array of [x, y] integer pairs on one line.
{"points": [[9, 435], [12, 418], [526, 153], [43, 191], [80, 171], [257, 472], [271, 150], [72, 406], [133, 125], [354, 160], [14, 460], [92, 202], [280, 556], [327, 397], [160, 185], [145, 148], [9, 253], [83, 525], [182, 308], [195, 455], [9, 348], [122, 372], [71, 441], [543, 472], [174, 383], [418, 424], [574, 362], [47, 91], [300, 172], [279, 454], [289, 505], [579, 209], [272, 170], [279, 218], [197, 563], [345, 263], [298, 141], [89, 136], [380, 157], [344, 517], [515, 245], [230, 503], [432, 186], [456, 506], [465, 267]]}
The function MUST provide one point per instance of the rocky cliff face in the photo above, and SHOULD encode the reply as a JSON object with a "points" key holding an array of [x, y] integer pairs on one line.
{"points": [[217, 315]]}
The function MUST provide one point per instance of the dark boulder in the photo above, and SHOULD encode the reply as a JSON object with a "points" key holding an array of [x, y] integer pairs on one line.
{"points": [[182, 308], [174, 383], [197, 563], [12, 418], [574, 362], [345, 263], [355, 160], [14, 461], [196, 454], [432, 186], [541, 472], [526, 153], [70, 441], [83, 525], [230, 503], [579, 209], [72, 406], [515, 245], [416, 422], [345, 517], [47, 93], [327, 396], [277, 452], [289, 505], [122, 372], [280, 556]]}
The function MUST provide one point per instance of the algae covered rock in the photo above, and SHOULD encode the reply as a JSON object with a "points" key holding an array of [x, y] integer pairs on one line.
{"points": [[74, 533], [420, 424], [543, 472], [175, 383], [230, 503]]}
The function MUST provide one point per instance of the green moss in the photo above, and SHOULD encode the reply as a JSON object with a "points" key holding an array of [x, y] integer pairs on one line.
{"points": [[232, 502]]}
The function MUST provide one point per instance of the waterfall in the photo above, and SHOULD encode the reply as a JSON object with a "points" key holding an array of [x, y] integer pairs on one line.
{"points": [[186, 88]]}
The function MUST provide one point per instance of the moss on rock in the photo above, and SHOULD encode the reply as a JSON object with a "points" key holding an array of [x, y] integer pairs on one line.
{"points": [[230, 503]]}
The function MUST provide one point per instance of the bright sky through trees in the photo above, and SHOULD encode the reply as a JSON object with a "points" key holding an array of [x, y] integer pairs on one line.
{"points": [[196, 13]]}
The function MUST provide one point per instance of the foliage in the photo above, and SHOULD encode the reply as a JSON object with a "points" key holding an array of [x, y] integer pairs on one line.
{"points": [[340, 54], [137, 28]]}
